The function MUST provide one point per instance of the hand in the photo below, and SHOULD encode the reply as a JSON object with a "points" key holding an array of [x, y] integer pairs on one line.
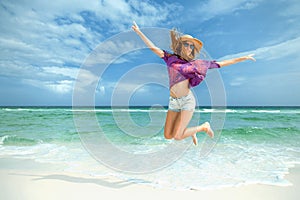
{"points": [[135, 27], [250, 57]]}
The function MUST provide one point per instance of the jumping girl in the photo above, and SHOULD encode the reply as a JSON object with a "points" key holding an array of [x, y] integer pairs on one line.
{"points": [[184, 72]]}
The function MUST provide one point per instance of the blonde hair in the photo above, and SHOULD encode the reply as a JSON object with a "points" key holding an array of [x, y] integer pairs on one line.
{"points": [[176, 46]]}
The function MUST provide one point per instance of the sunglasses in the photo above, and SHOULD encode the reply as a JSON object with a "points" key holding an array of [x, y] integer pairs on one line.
{"points": [[192, 46]]}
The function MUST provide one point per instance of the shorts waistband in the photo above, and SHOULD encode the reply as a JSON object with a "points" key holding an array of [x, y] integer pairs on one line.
{"points": [[182, 97]]}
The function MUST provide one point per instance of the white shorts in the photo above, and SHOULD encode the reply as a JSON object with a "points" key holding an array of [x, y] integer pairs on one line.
{"points": [[187, 102]]}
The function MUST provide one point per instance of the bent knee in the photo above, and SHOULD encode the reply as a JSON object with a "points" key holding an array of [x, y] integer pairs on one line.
{"points": [[178, 137], [178, 134], [168, 136]]}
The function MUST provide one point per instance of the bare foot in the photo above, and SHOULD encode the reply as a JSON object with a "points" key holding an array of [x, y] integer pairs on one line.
{"points": [[195, 140], [208, 130]]}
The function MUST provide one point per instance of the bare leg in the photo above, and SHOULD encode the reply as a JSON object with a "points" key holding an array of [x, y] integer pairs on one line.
{"points": [[181, 130], [176, 126], [171, 119], [205, 127]]}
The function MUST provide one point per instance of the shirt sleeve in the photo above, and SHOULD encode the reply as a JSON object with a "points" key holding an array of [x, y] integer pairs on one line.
{"points": [[166, 56], [213, 64]]}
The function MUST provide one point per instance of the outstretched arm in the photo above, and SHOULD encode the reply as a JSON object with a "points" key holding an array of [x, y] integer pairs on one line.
{"points": [[236, 60], [148, 42]]}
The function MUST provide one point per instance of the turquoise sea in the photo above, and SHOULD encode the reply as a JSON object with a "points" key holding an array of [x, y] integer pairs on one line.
{"points": [[254, 144]]}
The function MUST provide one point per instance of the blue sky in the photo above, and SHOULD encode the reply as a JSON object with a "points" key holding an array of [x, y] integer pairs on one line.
{"points": [[44, 44]]}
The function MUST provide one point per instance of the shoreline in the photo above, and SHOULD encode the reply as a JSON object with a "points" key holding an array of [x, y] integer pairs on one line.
{"points": [[42, 181], [151, 106]]}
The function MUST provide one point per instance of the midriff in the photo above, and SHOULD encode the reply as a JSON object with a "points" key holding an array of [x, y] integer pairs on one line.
{"points": [[180, 89]]}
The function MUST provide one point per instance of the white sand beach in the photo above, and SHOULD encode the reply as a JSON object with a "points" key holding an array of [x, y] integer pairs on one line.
{"points": [[51, 184]]}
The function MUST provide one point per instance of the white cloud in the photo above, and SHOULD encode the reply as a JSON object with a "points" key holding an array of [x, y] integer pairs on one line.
{"points": [[139, 80], [237, 81], [291, 8], [100, 90], [60, 87], [111, 51], [64, 71], [278, 51], [276, 67], [59, 84], [85, 81], [38, 34], [213, 8]]}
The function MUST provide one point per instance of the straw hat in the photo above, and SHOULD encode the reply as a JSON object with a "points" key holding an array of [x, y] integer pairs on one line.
{"points": [[198, 44]]}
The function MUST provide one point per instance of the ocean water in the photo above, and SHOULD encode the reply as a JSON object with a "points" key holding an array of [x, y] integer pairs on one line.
{"points": [[254, 145]]}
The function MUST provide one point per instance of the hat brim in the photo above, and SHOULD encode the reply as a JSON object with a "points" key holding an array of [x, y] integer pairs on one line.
{"points": [[198, 44]]}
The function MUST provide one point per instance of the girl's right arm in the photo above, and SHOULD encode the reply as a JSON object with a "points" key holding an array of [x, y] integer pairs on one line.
{"points": [[148, 42]]}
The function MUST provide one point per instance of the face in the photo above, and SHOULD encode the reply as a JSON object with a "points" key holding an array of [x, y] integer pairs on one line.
{"points": [[188, 47]]}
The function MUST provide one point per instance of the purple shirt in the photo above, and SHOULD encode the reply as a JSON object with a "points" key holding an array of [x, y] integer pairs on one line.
{"points": [[180, 69]]}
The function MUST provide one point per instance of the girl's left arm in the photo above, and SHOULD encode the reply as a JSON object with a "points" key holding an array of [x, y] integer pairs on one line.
{"points": [[235, 60]]}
